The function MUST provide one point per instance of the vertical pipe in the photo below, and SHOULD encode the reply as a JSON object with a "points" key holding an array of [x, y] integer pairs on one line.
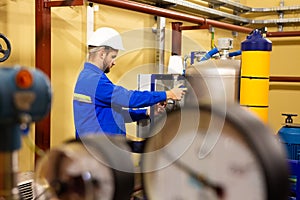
{"points": [[9, 146], [43, 62], [176, 38], [8, 179], [160, 41], [212, 41], [89, 20]]}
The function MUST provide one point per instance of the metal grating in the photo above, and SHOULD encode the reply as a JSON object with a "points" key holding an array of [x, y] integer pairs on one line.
{"points": [[25, 190]]}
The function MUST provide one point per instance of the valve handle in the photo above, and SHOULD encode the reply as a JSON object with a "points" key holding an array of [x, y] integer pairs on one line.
{"points": [[5, 52], [289, 118]]}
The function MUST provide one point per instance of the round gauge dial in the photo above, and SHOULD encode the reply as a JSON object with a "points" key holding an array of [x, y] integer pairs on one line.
{"points": [[83, 170], [204, 153]]}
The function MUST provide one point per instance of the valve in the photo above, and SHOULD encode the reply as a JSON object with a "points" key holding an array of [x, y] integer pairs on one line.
{"points": [[4, 53], [289, 119]]}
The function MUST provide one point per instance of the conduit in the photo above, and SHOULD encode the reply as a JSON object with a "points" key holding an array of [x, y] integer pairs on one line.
{"points": [[148, 9]]}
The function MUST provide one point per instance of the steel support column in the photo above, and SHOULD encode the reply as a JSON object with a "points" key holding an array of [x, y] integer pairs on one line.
{"points": [[43, 57], [43, 62]]}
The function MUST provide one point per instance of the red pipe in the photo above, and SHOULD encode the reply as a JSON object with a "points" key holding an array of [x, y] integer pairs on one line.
{"points": [[176, 38], [284, 79], [194, 27], [61, 3], [283, 34], [148, 9]]}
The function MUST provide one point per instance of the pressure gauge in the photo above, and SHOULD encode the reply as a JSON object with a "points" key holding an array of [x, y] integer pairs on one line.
{"points": [[211, 153], [86, 170]]}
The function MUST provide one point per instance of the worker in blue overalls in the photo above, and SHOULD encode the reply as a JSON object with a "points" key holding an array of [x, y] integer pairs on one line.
{"points": [[101, 106]]}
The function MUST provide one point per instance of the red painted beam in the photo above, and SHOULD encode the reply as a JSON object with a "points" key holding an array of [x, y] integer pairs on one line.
{"points": [[49, 4], [43, 62]]}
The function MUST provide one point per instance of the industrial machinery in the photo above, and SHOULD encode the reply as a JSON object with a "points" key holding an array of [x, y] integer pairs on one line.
{"points": [[210, 153], [4, 52], [158, 82], [198, 152], [96, 167], [290, 137], [215, 80], [25, 97], [213, 151]]}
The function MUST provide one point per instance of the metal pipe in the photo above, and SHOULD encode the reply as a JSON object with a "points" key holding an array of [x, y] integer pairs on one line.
{"points": [[284, 34], [49, 4], [194, 27], [284, 79], [148, 9], [176, 38], [8, 173], [160, 40]]}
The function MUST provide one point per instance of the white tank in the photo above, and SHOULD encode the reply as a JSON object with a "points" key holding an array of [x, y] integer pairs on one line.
{"points": [[214, 80]]}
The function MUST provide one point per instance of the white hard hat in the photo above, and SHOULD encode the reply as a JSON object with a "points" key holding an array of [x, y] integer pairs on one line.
{"points": [[106, 37]]}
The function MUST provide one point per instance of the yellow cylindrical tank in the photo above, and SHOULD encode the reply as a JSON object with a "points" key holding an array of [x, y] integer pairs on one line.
{"points": [[255, 72]]}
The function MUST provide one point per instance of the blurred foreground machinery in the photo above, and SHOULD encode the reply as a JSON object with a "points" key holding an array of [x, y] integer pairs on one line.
{"points": [[290, 136], [25, 97], [196, 153]]}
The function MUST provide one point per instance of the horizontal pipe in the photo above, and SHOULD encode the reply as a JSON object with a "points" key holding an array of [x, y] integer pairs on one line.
{"points": [[194, 27], [148, 9], [284, 79], [284, 34], [61, 3]]}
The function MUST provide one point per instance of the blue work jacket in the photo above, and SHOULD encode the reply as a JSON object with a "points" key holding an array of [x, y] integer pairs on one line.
{"points": [[100, 106]]}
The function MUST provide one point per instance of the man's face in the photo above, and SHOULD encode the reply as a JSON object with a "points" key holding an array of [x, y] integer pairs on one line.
{"points": [[109, 60]]}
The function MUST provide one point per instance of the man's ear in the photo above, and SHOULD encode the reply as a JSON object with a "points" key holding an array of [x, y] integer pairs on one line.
{"points": [[102, 53]]}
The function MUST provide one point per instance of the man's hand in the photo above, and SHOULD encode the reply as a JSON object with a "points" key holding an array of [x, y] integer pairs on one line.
{"points": [[176, 93], [158, 108]]}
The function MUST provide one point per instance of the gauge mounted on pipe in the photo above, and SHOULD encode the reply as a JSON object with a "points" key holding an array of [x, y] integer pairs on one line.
{"points": [[214, 153], [86, 170]]}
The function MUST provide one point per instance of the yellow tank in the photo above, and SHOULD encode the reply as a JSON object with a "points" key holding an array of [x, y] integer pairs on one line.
{"points": [[255, 72]]}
